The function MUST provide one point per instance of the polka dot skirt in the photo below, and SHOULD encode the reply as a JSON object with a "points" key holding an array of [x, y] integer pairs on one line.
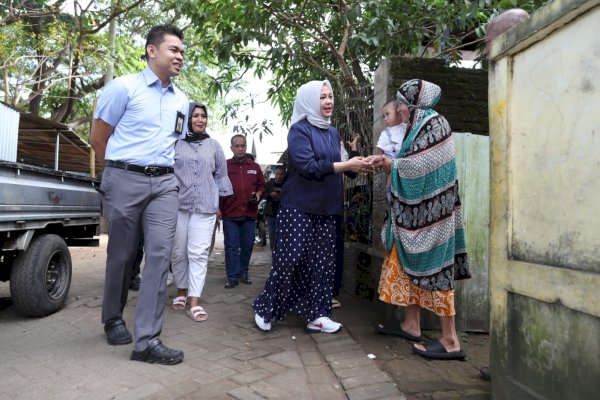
{"points": [[301, 279]]}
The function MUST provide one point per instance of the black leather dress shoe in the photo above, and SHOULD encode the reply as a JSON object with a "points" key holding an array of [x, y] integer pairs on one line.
{"points": [[117, 333], [158, 353], [231, 284], [245, 280]]}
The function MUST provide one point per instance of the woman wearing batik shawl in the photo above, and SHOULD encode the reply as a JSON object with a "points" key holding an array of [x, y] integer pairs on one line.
{"points": [[424, 234]]}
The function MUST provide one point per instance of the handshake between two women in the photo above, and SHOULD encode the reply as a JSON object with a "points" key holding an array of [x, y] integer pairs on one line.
{"points": [[374, 163]]}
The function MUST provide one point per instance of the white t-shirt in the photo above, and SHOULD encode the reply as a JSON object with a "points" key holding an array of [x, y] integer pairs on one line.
{"points": [[390, 140]]}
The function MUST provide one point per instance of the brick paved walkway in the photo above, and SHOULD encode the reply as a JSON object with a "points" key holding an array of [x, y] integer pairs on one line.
{"points": [[65, 355]]}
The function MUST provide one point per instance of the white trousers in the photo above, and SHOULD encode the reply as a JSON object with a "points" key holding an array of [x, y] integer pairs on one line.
{"points": [[189, 258]]}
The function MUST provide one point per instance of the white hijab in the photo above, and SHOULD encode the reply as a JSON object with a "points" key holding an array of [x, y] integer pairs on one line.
{"points": [[308, 104]]}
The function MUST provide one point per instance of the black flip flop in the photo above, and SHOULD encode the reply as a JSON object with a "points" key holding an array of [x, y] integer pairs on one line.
{"points": [[397, 332], [436, 351]]}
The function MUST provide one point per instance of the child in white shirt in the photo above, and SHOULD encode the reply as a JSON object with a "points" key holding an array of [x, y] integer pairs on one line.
{"points": [[395, 115]]}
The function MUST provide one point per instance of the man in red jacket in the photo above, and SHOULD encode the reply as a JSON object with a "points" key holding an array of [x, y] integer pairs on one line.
{"points": [[239, 210]]}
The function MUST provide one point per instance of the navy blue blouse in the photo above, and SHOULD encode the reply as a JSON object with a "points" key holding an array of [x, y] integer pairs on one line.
{"points": [[311, 184]]}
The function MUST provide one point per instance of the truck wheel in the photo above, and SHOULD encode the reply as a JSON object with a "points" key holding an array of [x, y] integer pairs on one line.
{"points": [[41, 276]]}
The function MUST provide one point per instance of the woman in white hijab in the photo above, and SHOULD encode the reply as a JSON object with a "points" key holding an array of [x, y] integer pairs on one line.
{"points": [[301, 279]]}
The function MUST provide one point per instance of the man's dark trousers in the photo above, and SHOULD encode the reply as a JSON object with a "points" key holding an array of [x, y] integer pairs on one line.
{"points": [[239, 242]]}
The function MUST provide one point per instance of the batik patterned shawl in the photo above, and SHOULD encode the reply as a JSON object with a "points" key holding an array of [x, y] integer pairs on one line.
{"points": [[426, 217]]}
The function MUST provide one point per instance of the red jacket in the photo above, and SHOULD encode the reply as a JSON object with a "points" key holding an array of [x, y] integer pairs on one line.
{"points": [[246, 178]]}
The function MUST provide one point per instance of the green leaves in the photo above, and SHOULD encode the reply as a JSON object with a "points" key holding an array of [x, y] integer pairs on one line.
{"points": [[288, 41]]}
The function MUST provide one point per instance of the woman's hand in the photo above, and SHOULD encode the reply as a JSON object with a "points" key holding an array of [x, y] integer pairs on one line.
{"points": [[358, 164], [355, 164], [380, 162]]}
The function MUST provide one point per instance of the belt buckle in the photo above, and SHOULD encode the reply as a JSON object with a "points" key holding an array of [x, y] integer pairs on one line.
{"points": [[152, 170]]}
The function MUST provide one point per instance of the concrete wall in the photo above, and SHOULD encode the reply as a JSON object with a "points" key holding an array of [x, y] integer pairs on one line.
{"points": [[544, 242]]}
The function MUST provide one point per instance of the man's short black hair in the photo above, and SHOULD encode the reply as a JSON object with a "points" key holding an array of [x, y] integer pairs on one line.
{"points": [[157, 33], [281, 167]]}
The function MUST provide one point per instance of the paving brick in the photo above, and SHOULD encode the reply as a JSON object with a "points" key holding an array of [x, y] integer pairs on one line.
{"points": [[351, 353], [140, 392], [292, 383], [365, 380], [356, 371], [320, 374], [283, 341], [178, 391], [239, 366], [356, 348], [245, 393], [288, 359], [268, 365], [212, 345], [357, 361], [310, 358], [341, 343], [330, 338], [328, 392], [236, 344], [375, 391], [217, 355], [215, 389], [209, 377], [269, 391], [251, 376], [249, 355], [177, 379]]}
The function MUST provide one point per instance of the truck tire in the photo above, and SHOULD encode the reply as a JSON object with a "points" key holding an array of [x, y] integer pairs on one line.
{"points": [[41, 276]]}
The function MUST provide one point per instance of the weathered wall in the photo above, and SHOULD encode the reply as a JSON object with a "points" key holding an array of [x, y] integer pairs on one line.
{"points": [[544, 246]]}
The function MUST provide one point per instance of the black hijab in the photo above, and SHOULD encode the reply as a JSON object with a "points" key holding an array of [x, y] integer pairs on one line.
{"points": [[191, 136]]}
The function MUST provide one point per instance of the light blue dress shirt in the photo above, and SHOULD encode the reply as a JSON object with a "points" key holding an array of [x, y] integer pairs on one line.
{"points": [[143, 115]]}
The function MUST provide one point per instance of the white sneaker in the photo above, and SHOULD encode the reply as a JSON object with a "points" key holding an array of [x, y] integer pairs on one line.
{"points": [[323, 324], [262, 325], [170, 279], [335, 303]]}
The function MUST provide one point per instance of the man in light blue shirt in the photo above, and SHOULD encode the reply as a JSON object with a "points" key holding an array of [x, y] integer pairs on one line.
{"points": [[138, 118]]}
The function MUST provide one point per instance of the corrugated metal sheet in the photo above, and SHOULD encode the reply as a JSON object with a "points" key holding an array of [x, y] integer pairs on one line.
{"points": [[9, 133]]}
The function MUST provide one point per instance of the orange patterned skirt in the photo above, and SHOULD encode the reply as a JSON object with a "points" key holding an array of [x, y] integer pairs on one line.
{"points": [[395, 287]]}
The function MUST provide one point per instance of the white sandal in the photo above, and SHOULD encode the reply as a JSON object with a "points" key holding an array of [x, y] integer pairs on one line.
{"points": [[197, 313], [179, 303]]}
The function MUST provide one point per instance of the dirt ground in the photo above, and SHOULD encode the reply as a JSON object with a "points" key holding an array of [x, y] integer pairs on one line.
{"points": [[416, 377]]}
